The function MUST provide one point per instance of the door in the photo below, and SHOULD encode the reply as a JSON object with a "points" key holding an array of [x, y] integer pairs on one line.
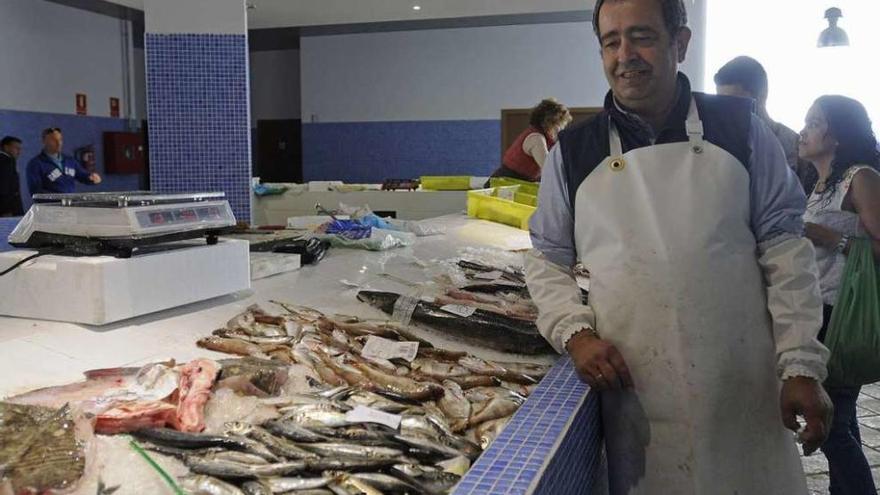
{"points": [[279, 151]]}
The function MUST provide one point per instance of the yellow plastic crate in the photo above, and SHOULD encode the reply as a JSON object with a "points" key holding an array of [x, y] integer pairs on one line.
{"points": [[446, 182], [499, 205], [525, 186], [526, 199]]}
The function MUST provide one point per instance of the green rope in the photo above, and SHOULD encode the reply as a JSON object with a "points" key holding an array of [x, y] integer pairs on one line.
{"points": [[168, 479]]}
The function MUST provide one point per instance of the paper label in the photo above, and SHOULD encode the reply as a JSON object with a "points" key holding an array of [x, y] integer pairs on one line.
{"points": [[493, 275], [379, 348], [363, 414], [459, 309], [404, 308]]}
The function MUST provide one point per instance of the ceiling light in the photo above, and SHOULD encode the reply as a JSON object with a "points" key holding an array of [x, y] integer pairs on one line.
{"points": [[833, 35], [417, 7]]}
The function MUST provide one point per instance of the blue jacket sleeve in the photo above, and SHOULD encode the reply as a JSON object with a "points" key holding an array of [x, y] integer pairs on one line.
{"points": [[82, 175], [34, 177]]}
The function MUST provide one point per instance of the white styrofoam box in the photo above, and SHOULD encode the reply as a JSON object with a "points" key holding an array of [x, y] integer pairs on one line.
{"points": [[267, 264], [97, 290]]}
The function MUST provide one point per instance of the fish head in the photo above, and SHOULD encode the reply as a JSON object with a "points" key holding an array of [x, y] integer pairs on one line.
{"points": [[238, 427], [381, 300]]}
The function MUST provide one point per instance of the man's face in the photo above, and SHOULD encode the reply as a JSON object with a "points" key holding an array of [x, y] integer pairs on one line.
{"points": [[639, 55], [733, 90], [52, 142], [13, 149]]}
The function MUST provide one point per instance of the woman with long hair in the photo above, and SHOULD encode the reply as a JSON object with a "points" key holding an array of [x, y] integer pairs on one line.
{"points": [[845, 203], [525, 157]]}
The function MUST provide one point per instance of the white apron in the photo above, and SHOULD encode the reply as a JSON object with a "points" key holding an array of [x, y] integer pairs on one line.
{"points": [[676, 287]]}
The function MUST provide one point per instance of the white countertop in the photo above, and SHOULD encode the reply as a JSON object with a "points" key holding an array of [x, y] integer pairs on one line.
{"points": [[38, 353]]}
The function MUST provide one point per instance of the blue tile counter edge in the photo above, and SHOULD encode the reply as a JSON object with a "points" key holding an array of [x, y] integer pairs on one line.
{"points": [[552, 444]]}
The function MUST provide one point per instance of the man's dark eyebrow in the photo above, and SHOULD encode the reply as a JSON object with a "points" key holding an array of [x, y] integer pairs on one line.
{"points": [[629, 32]]}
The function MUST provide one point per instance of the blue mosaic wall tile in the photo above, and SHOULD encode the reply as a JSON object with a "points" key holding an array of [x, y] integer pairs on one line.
{"points": [[78, 131], [369, 152], [7, 224], [198, 109], [540, 442]]}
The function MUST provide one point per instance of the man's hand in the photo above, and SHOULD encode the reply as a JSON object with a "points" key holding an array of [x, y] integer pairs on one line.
{"points": [[822, 236], [806, 397], [598, 363], [95, 178]]}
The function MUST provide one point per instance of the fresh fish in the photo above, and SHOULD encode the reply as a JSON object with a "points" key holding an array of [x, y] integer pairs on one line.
{"points": [[440, 354], [266, 375], [483, 367], [173, 438], [438, 370], [345, 450], [427, 445], [400, 385], [200, 484], [236, 470], [376, 401], [254, 339], [256, 487], [104, 489], [510, 274], [315, 418], [232, 346], [456, 466], [365, 434], [439, 481], [285, 485], [234, 456], [254, 447], [499, 288], [42, 450], [350, 463], [301, 313], [469, 382], [489, 431], [351, 485], [387, 483], [277, 445], [196, 379], [352, 376], [294, 431], [179, 452], [495, 408], [304, 356], [533, 370], [483, 328], [455, 406]]}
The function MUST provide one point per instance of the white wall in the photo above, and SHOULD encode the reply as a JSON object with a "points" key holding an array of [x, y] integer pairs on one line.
{"points": [[455, 74], [195, 16], [275, 85], [50, 52]]}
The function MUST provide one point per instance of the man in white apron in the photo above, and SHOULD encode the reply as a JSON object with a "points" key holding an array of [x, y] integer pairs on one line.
{"points": [[704, 304]]}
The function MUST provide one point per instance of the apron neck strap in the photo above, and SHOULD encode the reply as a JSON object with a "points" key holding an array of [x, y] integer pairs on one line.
{"points": [[693, 127]]}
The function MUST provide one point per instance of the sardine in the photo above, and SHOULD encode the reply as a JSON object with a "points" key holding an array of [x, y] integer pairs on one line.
{"points": [[347, 450], [483, 367], [314, 418], [495, 408], [236, 470], [255, 447], [489, 431], [277, 445], [400, 385], [234, 456], [439, 370], [482, 328], [387, 483], [469, 382], [173, 438], [294, 431], [200, 484], [256, 487], [426, 445], [286, 485]]}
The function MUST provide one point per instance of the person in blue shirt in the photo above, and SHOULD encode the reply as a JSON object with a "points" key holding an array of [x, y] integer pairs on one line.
{"points": [[53, 172]]}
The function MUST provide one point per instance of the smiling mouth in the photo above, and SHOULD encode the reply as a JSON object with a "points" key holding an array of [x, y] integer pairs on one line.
{"points": [[633, 74]]}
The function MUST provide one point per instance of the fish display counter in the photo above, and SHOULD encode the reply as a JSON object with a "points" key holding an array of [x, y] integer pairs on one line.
{"points": [[370, 372]]}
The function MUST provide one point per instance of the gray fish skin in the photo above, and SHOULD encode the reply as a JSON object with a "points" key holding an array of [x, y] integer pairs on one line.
{"points": [[483, 327], [426, 444], [200, 484], [294, 431], [235, 470], [346, 450], [256, 488], [233, 456], [285, 485], [387, 483], [174, 438], [255, 447], [280, 446]]}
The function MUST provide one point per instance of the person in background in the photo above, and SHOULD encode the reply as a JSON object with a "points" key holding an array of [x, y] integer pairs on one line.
{"points": [[845, 203], [700, 333], [525, 157], [10, 189], [746, 77], [54, 172]]}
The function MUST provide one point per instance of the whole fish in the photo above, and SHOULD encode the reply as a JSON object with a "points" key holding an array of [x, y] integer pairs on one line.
{"points": [[399, 385], [455, 406], [236, 470], [513, 275], [499, 288], [181, 453], [427, 445], [346, 450], [277, 445], [438, 370], [472, 381], [374, 400], [483, 367], [266, 375], [346, 484], [294, 431], [235, 456], [387, 483], [440, 354], [173, 438], [315, 418], [254, 447], [533, 370], [200, 484], [304, 356], [242, 335], [482, 327], [489, 431], [232, 346], [495, 408]]}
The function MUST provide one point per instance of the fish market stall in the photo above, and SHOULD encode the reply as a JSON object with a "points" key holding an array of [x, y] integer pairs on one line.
{"points": [[282, 391]]}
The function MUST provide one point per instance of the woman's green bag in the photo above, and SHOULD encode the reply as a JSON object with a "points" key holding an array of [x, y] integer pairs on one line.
{"points": [[854, 331]]}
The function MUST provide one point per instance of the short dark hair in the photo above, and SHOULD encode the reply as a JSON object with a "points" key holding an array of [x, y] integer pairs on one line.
{"points": [[50, 130], [674, 15], [746, 72], [6, 141]]}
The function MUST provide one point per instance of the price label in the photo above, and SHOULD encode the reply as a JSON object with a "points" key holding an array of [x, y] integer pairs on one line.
{"points": [[379, 348], [363, 414]]}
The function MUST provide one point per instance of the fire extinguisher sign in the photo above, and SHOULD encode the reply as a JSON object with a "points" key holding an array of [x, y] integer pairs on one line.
{"points": [[81, 105], [114, 107]]}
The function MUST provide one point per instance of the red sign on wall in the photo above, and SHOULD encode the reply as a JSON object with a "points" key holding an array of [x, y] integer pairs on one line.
{"points": [[81, 106], [114, 107]]}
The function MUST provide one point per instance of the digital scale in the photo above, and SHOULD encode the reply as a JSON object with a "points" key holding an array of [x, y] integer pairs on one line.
{"points": [[99, 258], [120, 223]]}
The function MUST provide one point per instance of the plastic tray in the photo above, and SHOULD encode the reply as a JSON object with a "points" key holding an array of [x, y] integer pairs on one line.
{"points": [[499, 204]]}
